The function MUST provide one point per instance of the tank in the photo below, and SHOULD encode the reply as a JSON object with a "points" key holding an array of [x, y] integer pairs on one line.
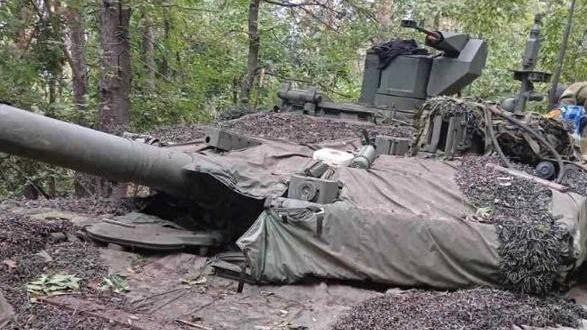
{"points": [[333, 224]]}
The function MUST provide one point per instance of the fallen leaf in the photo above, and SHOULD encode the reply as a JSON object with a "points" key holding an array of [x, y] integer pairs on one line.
{"points": [[197, 281], [57, 284], [115, 282], [45, 256], [11, 264]]}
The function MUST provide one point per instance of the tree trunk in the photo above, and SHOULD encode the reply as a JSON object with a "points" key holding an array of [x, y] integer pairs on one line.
{"points": [[560, 62], [166, 32], [76, 56], [75, 52], [115, 77], [52, 93], [383, 13], [253, 56], [115, 71], [235, 86], [148, 45], [24, 36]]}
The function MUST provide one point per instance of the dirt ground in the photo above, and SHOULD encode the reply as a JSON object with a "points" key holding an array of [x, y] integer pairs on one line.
{"points": [[177, 291]]}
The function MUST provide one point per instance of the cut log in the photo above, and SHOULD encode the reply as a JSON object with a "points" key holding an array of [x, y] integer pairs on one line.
{"points": [[523, 175]]}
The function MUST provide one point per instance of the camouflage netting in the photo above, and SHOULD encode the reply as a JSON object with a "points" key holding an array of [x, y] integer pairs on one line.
{"points": [[516, 142], [292, 127], [447, 107], [89, 206], [576, 179], [523, 147], [298, 128], [534, 249], [31, 248], [180, 133]]}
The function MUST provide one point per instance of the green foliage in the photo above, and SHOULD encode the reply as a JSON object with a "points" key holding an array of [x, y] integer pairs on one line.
{"points": [[17, 172], [17, 79], [201, 48], [201, 51], [53, 285], [116, 283]]}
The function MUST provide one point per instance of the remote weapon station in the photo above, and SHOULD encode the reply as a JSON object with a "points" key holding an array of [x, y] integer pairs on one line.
{"points": [[397, 88], [528, 75]]}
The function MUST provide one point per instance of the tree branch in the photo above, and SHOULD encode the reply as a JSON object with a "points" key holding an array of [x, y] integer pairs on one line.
{"points": [[361, 10], [307, 82], [180, 7], [318, 19], [288, 4]]}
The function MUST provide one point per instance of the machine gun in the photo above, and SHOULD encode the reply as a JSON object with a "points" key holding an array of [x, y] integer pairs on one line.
{"points": [[399, 88], [527, 75]]}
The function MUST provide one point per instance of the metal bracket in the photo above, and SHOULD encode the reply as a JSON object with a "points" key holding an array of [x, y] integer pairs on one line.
{"points": [[227, 141], [387, 145], [447, 135], [313, 189]]}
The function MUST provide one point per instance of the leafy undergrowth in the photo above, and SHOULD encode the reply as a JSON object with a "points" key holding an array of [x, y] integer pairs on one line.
{"points": [[38, 259]]}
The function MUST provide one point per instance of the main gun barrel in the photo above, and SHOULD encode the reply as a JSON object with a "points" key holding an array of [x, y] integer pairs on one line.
{"points": [[34, 136]]}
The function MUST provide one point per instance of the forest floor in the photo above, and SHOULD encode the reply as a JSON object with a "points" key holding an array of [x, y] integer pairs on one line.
{"points": [[126, 289], [177, 290], [167, 291]]}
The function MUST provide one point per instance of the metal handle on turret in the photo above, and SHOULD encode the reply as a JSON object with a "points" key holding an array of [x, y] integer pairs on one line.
{"points": [[412, 24]]}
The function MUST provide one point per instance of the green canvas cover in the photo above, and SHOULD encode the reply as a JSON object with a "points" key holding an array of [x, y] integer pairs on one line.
{"points": [[356, 244], [401, 223], [370, 245]]}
